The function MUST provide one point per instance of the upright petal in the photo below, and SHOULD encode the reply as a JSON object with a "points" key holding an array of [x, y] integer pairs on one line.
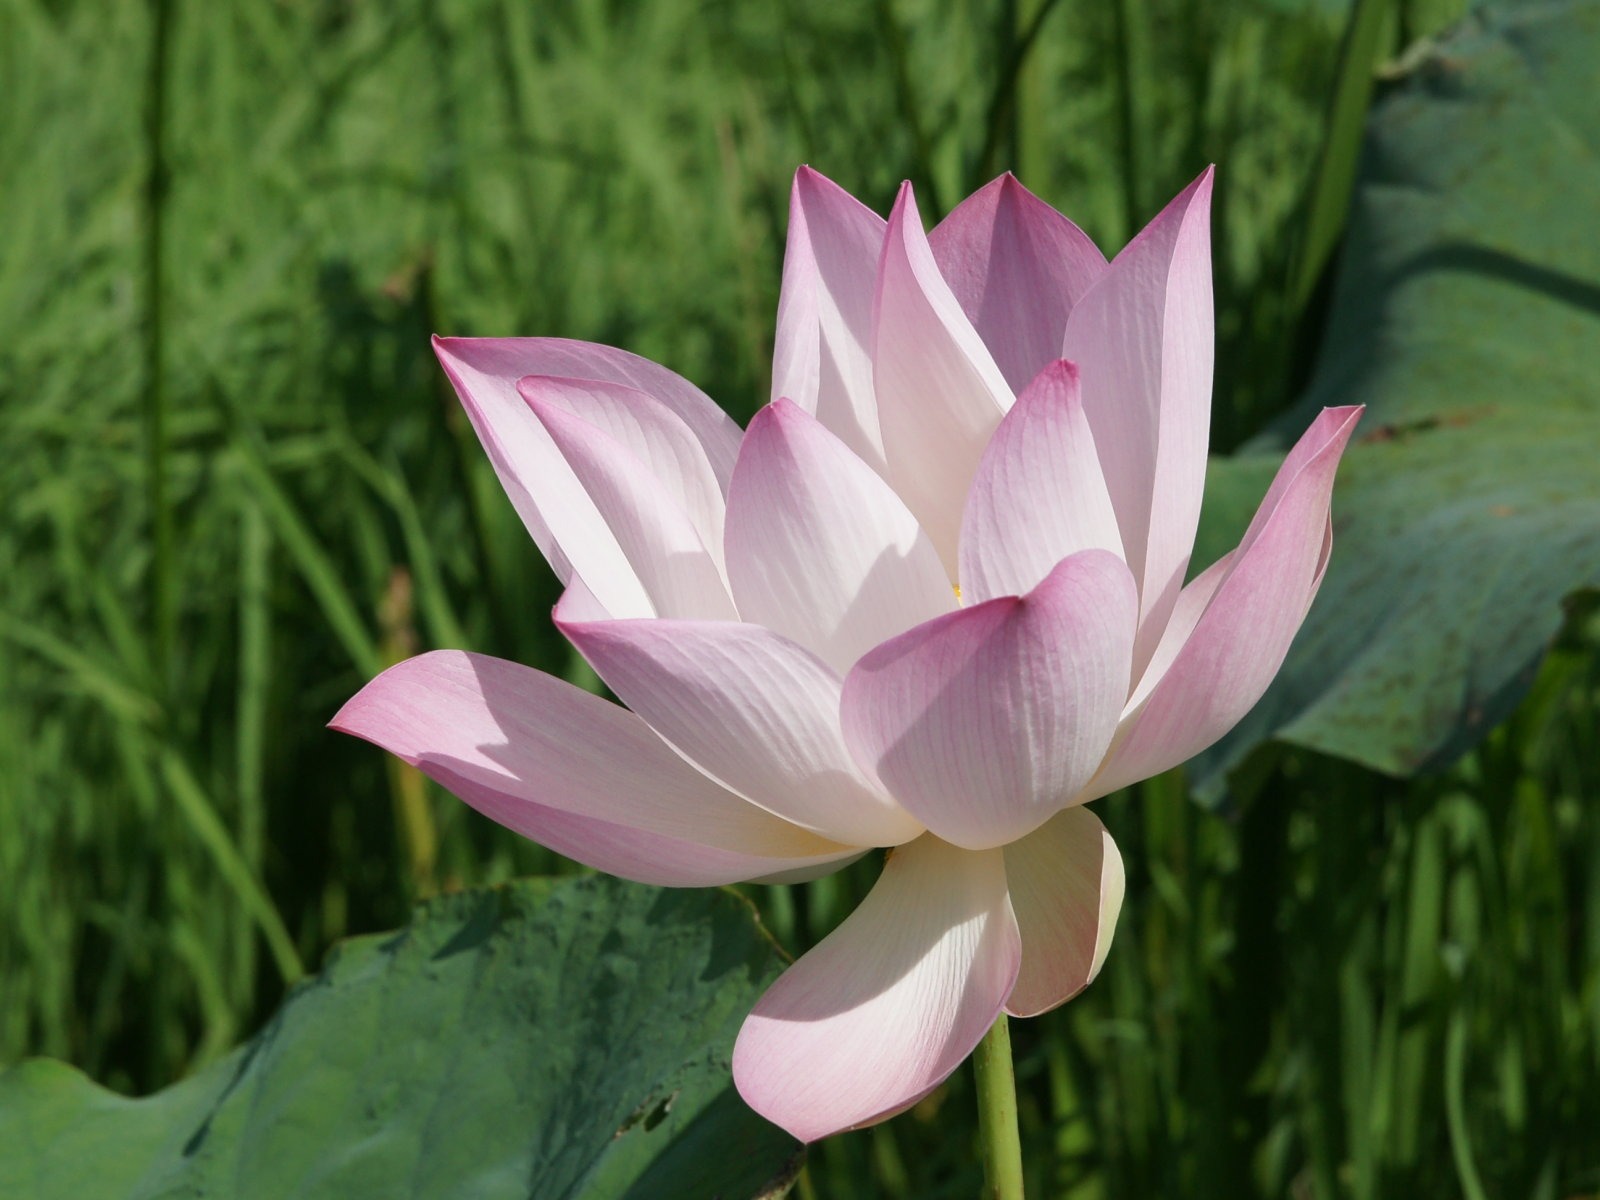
{"points": [[1039, 494], [659, 543], [1066, 884], [940, 394], [986, 723], [822, 357], [485, 373], [573, 772], [1142, 338], [752, 710], [557, 511], [1240, 637], [1017, 266], [890, 1003], [818, 546], [652, 433]]}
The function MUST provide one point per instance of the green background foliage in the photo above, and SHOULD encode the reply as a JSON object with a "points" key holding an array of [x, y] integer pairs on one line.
{"points": [[237, 486]]}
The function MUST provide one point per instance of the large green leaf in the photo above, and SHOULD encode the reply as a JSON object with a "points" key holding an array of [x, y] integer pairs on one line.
{"points": [[543, 1039], [1467, 319]]}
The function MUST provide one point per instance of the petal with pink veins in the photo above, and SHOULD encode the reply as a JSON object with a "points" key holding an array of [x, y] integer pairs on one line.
{"points": [[1017, 267], [485, 373], [1240, 637], [819, 548], [1066, 884], [573, 772], [1142, 338], [987, 722], [754, 711], [940, 394], [651, 432], [890, 1003], [660, 545], [1039, 494], [822, 357]]}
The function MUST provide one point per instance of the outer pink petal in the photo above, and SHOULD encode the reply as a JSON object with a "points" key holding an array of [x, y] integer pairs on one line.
{"points": [[485, 372], [1038, 496], [660, 545], [891, 1002], [1142, 337], [822, 357], [573, 772], [752, 710], [651, 432], [818, 546], [940, 394], [1017, 266], [987, 722], [1066, 884], [1240, 638], [1186, 614]]}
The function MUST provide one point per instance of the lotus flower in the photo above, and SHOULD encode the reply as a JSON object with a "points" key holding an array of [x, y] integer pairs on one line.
{"points": [[931, 600]]}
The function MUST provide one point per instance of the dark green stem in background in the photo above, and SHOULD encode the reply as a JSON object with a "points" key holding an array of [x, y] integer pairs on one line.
{"points": [[1125, 25], [162, 596], [1005, 128], [997, 1115]]}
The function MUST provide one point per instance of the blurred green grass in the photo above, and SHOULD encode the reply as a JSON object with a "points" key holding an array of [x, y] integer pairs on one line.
{"points": [[1344, 986]]}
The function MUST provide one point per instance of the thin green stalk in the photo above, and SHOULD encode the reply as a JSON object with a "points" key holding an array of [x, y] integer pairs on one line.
{"points": [[162, 589], [997, 1115], [1366, 38], [1124, 27]]}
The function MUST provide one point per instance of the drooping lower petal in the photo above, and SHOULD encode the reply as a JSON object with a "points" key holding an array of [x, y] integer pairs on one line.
{"points": [[661, 546], [573, 772], [1017, 266], [1142, 338], [819, 547], [1066, 883], [889, 1004], [940, 394], [987, 722], [1240, 638], [822, 356], [1038, 495], [753, 710]]}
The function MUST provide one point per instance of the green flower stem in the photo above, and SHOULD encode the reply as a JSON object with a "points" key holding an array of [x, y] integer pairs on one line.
{"points": [[997, 1115]]}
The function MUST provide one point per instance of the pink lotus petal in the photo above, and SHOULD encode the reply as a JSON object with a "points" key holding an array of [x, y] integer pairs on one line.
{"points": [[891, 1002], [819, 548], [940, 394], [822, 356], [573, 772], [577, 603], [485, 373], [1038, 496], [660, 545], [1240, 638], [1142, 338], [1191, 606], [752, 710], [987, 722], [1017, 266], [651, 432], [1066, 885]]}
